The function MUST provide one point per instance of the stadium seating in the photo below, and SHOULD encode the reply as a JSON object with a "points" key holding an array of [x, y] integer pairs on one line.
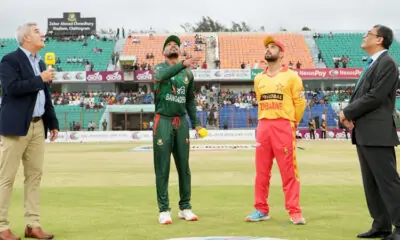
{"points": [[66, 114], [236, 110], [348, 44], [236, 117], [236, 49], [154, 45], [317, 111], [64, 50], [398, 104], [10, 45]]}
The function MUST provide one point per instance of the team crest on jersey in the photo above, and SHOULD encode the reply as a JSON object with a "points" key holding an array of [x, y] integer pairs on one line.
{"points": [[285, 150], [280, 87], [160, 142], [186, 80]]}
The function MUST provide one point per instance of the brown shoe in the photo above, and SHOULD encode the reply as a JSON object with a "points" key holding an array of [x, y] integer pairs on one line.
{"points": [[8, 235], [37, 233]]}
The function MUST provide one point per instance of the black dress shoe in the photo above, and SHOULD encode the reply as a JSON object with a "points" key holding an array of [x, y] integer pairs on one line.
{"points": [[393, 236], [374, 233]]}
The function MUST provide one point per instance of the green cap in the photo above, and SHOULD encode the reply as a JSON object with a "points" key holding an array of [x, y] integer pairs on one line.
{"points": [[172, 38]]}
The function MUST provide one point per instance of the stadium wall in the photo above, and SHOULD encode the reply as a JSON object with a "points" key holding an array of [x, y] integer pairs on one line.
{"points": [[147, 136]]}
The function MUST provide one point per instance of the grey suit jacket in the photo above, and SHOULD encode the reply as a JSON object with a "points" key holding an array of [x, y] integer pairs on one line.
{"points": [[372, 104]]}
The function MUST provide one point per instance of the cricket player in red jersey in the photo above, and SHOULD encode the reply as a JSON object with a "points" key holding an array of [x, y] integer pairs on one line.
{"points": [[281, 104]]}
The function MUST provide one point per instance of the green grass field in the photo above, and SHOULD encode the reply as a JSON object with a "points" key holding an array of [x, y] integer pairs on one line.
{"points": [[102, 191]]}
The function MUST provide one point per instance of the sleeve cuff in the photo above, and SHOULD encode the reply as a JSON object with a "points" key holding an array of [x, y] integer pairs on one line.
{"points": [[347, 115], [39, 82]]}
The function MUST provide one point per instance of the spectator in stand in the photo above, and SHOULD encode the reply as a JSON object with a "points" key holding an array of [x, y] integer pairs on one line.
{"points": [[319, 56], [344, 63], [336, 63], [136, 40], [248, 65], [298, 65], [91, 126], [98, 100], [88, 66], [256, 65], [198, 47], [207, 97], [217, 63]]}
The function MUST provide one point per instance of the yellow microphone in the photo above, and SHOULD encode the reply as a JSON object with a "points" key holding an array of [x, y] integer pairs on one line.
{"points": [[50, 59]]}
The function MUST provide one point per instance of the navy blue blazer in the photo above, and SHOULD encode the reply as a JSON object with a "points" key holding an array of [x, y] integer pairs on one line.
{"points": [[19, 91]]}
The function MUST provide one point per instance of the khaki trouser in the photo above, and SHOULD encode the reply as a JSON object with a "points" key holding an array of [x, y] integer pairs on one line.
{"points": [[30, 149]]}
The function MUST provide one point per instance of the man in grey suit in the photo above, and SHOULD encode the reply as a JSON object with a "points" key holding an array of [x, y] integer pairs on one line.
{"points": [[370, 115]]}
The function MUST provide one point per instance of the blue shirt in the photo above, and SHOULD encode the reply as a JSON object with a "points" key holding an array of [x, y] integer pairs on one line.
{"points": [[376, 56], [38, 111], [370, 62]]}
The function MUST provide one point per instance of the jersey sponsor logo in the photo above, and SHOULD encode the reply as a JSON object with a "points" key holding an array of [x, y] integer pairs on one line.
{"points": [[272, 96], [270, 106], [174, 98]]}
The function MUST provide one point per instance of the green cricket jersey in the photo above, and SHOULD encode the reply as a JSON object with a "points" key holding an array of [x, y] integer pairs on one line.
{"points": [[174, 91]]}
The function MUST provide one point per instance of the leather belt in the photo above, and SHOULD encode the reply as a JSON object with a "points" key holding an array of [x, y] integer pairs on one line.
{"points": [[36, 119]]}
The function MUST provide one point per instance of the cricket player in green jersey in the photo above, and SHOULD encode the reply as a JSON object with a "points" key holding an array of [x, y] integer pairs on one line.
{"points": [[174, 98]]}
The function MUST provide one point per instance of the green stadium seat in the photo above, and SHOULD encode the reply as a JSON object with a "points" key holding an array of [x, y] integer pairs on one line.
{"points": [[66, 114], [348, 44], [398, 103], [64, 50]]}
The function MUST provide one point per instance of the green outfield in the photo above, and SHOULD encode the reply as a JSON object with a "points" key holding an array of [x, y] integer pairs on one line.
{"points": [[101, 191]]}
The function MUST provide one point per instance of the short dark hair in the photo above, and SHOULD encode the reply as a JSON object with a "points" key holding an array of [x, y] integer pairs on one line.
{"points": [[386, 33]]}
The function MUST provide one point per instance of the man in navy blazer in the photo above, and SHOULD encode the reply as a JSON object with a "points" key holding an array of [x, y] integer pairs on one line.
{"points": [[26, 114]]}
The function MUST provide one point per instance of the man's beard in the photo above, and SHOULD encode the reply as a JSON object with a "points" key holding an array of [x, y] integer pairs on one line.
{"points": [[172, 54], [271, 58]]}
